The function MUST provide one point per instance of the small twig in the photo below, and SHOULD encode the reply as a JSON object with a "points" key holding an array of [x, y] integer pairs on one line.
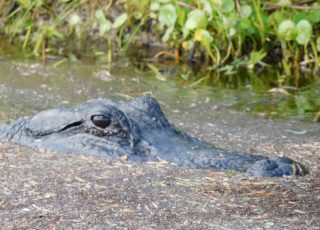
{"points": [[180, 3], [44, 55], [237, 4], [298, 6], [41, 209]]}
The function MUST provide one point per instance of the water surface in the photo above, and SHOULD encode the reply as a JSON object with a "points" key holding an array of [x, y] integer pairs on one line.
{"points": [[27, 87]]}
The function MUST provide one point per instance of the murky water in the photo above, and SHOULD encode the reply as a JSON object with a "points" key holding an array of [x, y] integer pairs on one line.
{"points": [[27, 87]]}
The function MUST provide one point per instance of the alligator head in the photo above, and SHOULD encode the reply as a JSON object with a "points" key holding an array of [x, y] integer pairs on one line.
{"points": [[137, 129]]}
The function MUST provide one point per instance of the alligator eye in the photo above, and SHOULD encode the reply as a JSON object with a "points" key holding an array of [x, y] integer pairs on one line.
{"points": [[101, 121]]}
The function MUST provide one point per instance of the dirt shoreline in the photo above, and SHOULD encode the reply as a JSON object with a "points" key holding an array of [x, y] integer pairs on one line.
{"points": [[41, 190]]}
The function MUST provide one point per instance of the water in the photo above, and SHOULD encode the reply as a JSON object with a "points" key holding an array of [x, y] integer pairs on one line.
{"points": [[27, 87]]}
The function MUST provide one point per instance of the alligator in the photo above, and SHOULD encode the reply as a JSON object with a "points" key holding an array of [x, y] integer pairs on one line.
{"points": [[135, 130]]}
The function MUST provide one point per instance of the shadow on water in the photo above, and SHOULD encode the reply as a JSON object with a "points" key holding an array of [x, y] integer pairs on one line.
{"points": [[27, 87]]}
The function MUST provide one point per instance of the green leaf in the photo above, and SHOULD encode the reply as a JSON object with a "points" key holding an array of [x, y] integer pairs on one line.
{"points": [[167, 34], [227, 6], [185, 32], [25, 3], [204, 37], [74, 19], [255, 58], [304, 26], [246, 24], [105, 27], [245, 11], [120, 20], [104, 24], [38, 3], [99, 15], [196, 20], [304, 30], [181, 13], [206, 6], [230, 20], [232, 32], [154, 6], [313, 16], [302, 39], [216, 3], [167, 15], [287, 30], [318, 44], [303, 104], [299, 16], [284, 2], [51, 31], [137, 15]]}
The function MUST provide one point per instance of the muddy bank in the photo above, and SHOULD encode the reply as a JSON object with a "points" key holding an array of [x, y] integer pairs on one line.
{"points": [[54, 191]]}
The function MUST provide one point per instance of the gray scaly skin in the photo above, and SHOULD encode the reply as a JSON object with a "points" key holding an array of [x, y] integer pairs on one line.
{"points": [[138, 130]]}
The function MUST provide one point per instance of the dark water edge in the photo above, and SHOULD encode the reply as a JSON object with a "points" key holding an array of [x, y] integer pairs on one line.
{"points": [[28, 86]]}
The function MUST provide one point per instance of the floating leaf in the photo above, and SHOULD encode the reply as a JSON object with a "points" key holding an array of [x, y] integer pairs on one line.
{"points": [[245, 199], [304, 30], [72, 57], [120, 20], [297, 132], [231, 172], [287, 30], [167, 15], [157, 72], [279, 91], [196, 20]]}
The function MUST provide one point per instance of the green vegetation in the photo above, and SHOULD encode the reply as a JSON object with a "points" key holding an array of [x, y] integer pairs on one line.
{"points": [[225, 34]]}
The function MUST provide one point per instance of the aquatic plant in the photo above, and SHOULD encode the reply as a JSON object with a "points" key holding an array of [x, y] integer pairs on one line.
{"points": [[226, 34]]}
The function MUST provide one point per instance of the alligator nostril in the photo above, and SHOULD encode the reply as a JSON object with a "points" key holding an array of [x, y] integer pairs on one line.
{"points": [[101, 121]]}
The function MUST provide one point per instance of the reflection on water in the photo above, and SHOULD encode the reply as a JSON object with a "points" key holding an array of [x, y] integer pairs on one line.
{"points": [[28, 87]]}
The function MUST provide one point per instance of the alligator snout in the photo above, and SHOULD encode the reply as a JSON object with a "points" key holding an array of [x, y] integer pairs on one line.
{"points": [[137, 129]]}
